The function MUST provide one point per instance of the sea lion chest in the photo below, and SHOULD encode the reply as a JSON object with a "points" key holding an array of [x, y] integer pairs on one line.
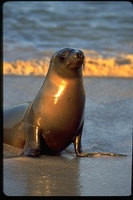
{"points": [[58, 111]]}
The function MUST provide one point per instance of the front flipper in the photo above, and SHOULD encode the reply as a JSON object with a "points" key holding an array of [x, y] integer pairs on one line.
{"points": [[79, 153], [32, 144]]}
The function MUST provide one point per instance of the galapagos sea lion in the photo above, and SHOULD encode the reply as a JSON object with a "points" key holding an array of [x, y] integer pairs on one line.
{"points": [[55, 118]]}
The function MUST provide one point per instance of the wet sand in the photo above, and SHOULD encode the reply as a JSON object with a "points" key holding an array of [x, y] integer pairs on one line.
{"points": [[108, 127]]}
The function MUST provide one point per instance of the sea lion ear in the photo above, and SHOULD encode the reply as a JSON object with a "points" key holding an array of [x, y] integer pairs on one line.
{"points": [[84, 63], [52, 59]]}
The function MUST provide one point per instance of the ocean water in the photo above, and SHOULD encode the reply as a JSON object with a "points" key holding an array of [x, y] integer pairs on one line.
{"points": [[33, 29]]}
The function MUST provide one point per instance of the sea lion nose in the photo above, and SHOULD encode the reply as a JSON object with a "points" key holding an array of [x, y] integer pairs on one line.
{"points": [[78, 54]]}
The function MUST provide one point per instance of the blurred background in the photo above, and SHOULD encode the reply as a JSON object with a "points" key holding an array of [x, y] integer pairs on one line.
{"points": [[34, 29]]}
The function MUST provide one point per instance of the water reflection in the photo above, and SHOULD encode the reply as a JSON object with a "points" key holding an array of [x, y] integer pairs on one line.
{"points": [[67, 175], [45, 176]]}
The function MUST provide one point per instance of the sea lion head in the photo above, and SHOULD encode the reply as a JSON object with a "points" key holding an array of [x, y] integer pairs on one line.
{"points": [[68, 62]]}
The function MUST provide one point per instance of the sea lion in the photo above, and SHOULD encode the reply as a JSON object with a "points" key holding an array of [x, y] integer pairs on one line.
{"points": [[55, 118]]}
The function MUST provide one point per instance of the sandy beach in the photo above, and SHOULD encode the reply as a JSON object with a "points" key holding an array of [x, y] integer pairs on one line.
{"points": [[108, 127]]}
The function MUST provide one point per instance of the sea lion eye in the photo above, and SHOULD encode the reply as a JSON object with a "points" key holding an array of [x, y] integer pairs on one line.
{"points": [[64, 54]]}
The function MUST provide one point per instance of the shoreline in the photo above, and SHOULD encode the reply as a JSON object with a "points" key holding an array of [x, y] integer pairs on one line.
{"points": [[95, 66]]}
